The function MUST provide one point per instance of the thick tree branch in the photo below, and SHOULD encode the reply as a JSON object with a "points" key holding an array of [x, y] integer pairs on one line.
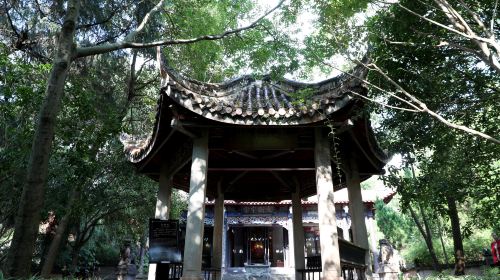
{"points": [[144, 21], [463, 29], [484, 46], [453, 16], [493, 17], [39, 8], [139, 72], [126, 43], [476, 18], [375, 86], [438, 24], [444, 43], [425, 109], [12, 26], [417, 222], [459, 47], [383, 104], [122, 31], [141, 86], [131, 80], [107, 19], [415, 103]]}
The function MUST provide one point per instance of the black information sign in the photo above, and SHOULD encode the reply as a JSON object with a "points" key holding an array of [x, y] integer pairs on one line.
{"points": [[164, 241]]}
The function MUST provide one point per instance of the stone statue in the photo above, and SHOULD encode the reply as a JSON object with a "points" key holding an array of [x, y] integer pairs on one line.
{"points": [[389, 261], [126, 269], [386, 252]]}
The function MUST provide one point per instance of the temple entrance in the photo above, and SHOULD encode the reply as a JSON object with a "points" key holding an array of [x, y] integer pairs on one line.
{"points": [[257, 245]]}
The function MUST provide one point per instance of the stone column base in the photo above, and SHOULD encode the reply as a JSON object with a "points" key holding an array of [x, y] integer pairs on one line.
{"points": [[331, 275]]}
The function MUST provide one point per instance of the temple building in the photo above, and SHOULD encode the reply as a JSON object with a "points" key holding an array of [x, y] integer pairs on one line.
{"points": [[266, 140], [261, 232]]}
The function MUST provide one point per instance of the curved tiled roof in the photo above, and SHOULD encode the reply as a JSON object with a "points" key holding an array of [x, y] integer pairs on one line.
{"points": [[136, 148], [252, 101]]}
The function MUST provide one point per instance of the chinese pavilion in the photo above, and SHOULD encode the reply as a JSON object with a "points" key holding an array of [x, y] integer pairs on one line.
{"points": [[254, 139]]}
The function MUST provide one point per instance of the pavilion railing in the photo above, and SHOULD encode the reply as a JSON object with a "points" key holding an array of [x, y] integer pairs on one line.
{"points": [[173, 271], [352, 263], [211, 273], [169, 271]]}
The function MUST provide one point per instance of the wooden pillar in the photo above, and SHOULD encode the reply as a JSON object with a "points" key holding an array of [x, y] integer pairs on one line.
{"points": [[373, 241], [345, 224], [218, 232], [330, 258], [163, 206], [193, 248], [291, 243], [277, 245], [164, 198], [357, 211], [298, 234]]}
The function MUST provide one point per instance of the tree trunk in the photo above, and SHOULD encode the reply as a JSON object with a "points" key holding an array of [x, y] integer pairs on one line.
{"points": [[28, 217], [429, 239], [142, 253], [75, 254], [56, 242], [442, 242], [426, 234], [458, 246]]}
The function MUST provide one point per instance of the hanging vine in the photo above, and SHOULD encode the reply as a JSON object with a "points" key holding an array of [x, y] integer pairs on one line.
{"points": [[302, 97], [335, 148]]}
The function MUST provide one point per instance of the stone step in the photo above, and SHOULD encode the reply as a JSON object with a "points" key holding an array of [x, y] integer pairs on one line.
{"points": [[237, 273]]}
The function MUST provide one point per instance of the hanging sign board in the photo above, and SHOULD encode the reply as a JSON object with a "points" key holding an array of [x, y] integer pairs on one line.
{"points": [[164, 241]]}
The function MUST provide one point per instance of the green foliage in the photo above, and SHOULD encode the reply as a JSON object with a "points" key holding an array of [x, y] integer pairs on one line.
{"points": [[450, 165], [473, 248], [87, 156], [21, 89], [105, 246], [263, 49], [302, 96], [179, 204], [417, 253], [396, 227], [488, 273], [34, 277]]}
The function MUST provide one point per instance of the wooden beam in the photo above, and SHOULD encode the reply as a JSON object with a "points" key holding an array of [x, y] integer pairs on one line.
{"points": [[345, 126], [282, 181], [177, 125], [278, 154], [238, 177], [361, 148], [260, 169], [225, 126], [251, 140], [243, 154], [178, 158], [297, 184], [153, 154]]}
